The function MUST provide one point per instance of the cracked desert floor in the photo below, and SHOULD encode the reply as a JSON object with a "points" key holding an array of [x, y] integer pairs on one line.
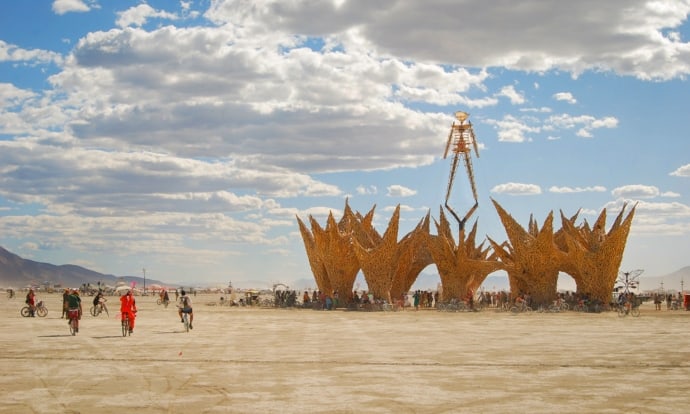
{"points": [[253, 360]]}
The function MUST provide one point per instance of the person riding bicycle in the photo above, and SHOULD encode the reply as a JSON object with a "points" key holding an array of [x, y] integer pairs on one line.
{"points": [[99, 301], [31, 301], [185, 306], [128, 308], [73, 307]]}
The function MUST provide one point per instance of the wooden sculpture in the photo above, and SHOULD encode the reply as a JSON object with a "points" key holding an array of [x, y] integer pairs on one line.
{"points": [[318, 268], [531, 258], [378, 262], [461, 141], [593, 256], [462, 267], [413, 256]]}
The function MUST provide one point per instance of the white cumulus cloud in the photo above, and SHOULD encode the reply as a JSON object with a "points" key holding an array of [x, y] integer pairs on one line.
{"points": [[636, 191], [516, 189], [565, 96], [400, 191], [67, 6]]}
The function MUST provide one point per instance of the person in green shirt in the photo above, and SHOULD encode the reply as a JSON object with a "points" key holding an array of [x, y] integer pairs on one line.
{"points": [[73, 306]]}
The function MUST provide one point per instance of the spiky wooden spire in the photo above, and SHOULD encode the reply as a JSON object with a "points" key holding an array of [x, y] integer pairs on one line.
{"points": [[360, 227], [378, 262], [338, 257], [594, 256], [462, 266], [318, 268], [413, 257], [532, 258]]}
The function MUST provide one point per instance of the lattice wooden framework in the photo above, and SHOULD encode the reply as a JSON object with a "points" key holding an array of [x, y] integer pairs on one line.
{"points": [[360, 227], [593, 256], [378, 262], [331, 256], [318, 267], [337, 253], [413, 257], [531, 258], [462, 267]]}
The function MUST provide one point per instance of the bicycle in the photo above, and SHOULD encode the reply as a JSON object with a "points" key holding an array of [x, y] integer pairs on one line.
{"points": [[98, 309], [520, 308], [40, 310], [163, 302], [125, 325], [623, 311], [73, 315], [185, 320], [454, 305]]}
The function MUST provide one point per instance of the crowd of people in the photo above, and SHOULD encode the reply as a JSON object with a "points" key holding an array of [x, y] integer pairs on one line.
{"points": [[427, 299]]}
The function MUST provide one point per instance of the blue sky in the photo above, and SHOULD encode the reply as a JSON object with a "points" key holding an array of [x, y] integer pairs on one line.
{"points": [[185, 137]]}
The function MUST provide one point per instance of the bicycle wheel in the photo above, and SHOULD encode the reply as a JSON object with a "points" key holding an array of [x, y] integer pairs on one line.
{"points": [[125, 327], [94, 310], [42, 311], [158, 302], [514, 310], [621, 311], [25, 311], [635, 312]]}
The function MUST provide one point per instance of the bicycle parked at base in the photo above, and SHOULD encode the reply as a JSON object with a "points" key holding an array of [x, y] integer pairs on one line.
{"points": [[521, 307], [625, 310], [558, 305]]}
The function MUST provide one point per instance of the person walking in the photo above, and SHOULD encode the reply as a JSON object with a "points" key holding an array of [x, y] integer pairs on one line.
{"points": [[128, 307], [65, 294]]}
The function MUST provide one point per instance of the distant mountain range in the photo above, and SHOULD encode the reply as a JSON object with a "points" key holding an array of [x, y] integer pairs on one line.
{"points": [[16, 272], [671, 282]]}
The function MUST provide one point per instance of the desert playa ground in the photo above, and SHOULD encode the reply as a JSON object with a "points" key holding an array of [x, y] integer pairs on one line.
{"points": [[270, 360]]}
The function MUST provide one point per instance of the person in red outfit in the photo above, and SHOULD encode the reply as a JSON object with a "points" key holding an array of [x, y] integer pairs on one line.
{"points": [[31, 301], [128, 306]]}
